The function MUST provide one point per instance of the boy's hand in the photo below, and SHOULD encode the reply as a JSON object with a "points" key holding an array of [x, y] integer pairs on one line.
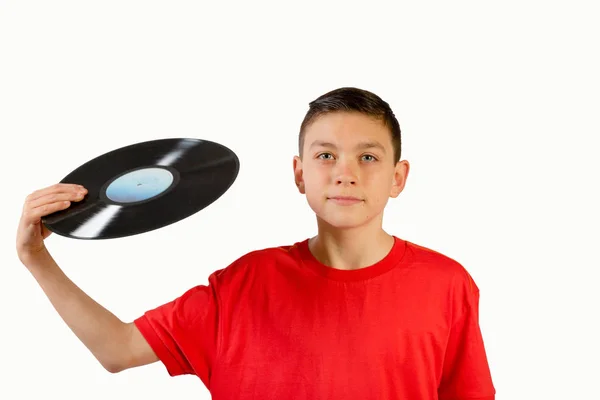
{"points": [[31, 232]]}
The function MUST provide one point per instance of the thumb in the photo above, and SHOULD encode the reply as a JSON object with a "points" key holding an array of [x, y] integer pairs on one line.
{"points": [[45, 231]]}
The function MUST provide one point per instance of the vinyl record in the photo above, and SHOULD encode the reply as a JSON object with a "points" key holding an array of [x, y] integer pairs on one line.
{"points": [[145, 186]]}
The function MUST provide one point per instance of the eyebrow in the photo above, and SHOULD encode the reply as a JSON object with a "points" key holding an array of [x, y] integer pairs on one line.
{"points": [[361, 145]]}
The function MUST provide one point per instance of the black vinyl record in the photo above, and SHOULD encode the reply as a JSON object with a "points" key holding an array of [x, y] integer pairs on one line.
{"points": [[145, 186]]}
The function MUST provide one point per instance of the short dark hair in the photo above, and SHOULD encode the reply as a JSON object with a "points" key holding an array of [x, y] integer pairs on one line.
{"points": [[351, 99]]}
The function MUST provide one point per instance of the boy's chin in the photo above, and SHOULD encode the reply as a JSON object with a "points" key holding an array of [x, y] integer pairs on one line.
{"points": [[341, 222]]}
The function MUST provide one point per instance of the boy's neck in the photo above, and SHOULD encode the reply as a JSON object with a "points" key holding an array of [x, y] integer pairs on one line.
{"points": [[351, 248]]}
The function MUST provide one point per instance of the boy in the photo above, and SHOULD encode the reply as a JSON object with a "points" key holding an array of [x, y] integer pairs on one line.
{"points": [[352, 313]]}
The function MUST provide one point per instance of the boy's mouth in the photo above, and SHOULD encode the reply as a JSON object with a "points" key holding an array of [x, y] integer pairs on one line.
{"points": [[345, 200]]}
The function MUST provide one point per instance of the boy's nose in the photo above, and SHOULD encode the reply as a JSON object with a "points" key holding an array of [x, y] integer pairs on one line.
{"points": [[345, 174]]}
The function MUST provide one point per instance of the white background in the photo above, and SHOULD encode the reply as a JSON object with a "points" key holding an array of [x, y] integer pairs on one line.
{"points": [[498, 105]]}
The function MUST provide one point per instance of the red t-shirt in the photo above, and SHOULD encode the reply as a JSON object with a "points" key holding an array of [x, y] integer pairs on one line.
{"points": [[277, 324]]}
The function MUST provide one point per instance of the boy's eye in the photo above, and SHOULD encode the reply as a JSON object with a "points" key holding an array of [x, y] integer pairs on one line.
{"points": [[368, 157], [325, 156]]}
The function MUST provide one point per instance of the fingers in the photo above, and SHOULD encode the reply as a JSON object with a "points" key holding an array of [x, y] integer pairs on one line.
{"points": [[56, 198], [33, 216], [56, 188], [50, 200]]}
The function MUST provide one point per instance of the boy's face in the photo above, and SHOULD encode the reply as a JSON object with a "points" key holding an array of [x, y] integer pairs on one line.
{"points": [[347, 169]]}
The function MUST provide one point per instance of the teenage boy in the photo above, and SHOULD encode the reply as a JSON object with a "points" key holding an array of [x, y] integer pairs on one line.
{"points": [[351, 313]]}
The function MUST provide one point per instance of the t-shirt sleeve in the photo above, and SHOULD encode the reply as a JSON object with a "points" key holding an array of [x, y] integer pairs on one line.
{"points": [[466, 373], [184, 332]]}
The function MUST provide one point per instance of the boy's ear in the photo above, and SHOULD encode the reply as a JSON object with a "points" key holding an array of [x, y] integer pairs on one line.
{"points": [[399, 179], [298, 174]]}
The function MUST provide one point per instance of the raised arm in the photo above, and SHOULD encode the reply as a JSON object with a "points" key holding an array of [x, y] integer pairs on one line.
{"points": [[115, 344]]}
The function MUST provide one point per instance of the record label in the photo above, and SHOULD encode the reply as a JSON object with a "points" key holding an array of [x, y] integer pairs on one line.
{"points": [[139, 185]]}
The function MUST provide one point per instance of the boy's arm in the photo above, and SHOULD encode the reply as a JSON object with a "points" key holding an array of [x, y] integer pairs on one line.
{"points": [[183, 333], [115, 344]]}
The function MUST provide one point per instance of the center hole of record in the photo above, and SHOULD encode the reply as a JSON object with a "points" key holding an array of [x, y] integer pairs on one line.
{"points": [[139, 185]]}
